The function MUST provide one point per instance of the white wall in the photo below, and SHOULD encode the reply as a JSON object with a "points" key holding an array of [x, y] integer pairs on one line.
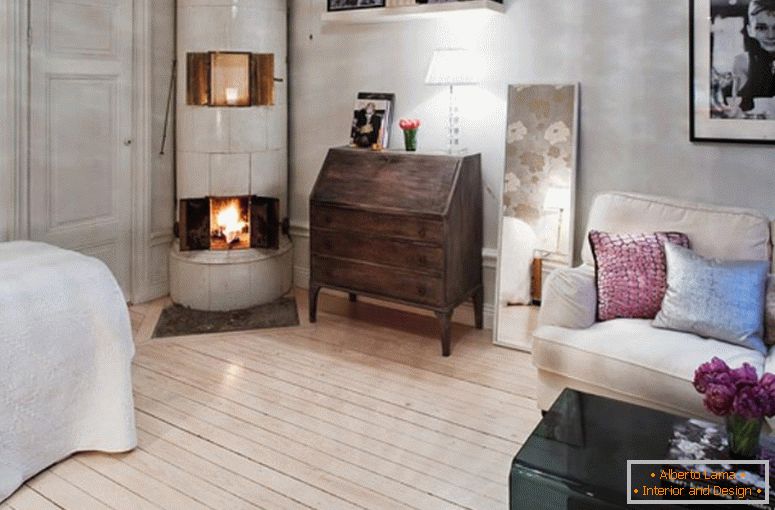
{"points": [[6, 113], [156, 282], [163, 52], [630, 56]]}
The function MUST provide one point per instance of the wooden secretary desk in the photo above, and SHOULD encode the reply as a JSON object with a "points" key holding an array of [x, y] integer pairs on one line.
{"points": [[399, 226]]}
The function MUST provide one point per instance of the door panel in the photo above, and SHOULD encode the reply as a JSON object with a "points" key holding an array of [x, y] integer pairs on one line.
{"points": [[80, 128], [83, 28], [84, 158]]}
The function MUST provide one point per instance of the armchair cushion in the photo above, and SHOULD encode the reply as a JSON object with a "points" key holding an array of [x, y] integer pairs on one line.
{"points": [[631, 273], [635, 360], [714, 298], [569, 298], [714, 231]]}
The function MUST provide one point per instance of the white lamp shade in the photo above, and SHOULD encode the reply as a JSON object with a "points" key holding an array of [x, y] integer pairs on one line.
{"points": [[453, 66], [557, 198]]}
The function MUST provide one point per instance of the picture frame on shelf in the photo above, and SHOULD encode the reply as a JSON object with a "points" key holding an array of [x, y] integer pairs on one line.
{"points": [[350, 5], [372, 119], [731, 72]]}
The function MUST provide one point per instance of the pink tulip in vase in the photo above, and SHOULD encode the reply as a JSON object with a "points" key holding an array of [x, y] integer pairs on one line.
{"points": [[410, 127], [740, 396]]}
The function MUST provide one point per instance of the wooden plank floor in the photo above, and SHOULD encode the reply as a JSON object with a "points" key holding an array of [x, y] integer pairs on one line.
{"points": [[356, 411]]}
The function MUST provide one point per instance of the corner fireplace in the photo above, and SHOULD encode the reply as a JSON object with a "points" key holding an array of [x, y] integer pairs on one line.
{"points": [[229, 223], [231, 156]]}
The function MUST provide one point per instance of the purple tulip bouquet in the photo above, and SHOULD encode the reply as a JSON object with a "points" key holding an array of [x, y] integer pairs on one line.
{"points": [[740, 396]]}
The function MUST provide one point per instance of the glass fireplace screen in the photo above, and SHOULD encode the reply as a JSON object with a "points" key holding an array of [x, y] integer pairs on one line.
{"points": [[229, 223]]}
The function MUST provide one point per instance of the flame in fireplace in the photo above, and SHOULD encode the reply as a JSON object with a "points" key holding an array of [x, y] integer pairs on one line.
{"points": [[229, 221]]}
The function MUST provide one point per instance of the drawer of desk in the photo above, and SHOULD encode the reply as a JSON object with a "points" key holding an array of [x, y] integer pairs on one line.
{"points": [[391, 252], [378, 280], [378, 224]]}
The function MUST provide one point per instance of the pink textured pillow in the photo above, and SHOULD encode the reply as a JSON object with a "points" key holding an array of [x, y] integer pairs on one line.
{"points": [[631, 272]]}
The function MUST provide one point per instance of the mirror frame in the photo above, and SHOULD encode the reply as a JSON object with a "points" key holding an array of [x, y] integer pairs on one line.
{"points": [[568, 259]]}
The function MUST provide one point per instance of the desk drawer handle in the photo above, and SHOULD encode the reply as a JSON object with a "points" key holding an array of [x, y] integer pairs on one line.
{"points": [[422, 259], [421, 290], [421, 232], [328, 245]]}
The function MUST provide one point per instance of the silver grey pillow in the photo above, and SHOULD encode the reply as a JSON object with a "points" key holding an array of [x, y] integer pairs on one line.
{"points": [[713, 298]]}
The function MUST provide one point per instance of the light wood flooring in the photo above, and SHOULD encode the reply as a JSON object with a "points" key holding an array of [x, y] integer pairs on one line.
{"points": [[356, 411]]}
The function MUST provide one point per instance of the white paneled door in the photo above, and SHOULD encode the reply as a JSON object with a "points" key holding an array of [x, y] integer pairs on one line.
{"points": [[81, 128]]}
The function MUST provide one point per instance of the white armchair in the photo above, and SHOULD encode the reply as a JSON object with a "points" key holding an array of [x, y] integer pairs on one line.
{"points": [[628, 359]]}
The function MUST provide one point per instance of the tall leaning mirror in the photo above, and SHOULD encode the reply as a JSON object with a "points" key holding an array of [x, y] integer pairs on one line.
{"points": [[537, 203]]}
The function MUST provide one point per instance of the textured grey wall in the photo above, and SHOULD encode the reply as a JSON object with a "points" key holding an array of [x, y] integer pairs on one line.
{"points": [[630, 56]]}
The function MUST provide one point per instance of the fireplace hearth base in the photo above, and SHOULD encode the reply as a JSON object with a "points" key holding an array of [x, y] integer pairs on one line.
{"points": [[230, 280]]}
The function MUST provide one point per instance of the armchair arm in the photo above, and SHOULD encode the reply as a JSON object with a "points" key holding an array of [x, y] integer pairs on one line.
{"points": [[569, 298], [769, 319]]}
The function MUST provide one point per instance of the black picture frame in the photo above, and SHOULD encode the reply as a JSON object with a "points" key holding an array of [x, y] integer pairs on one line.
{"points": [[707, 99], [385, 104], [351, 5]]}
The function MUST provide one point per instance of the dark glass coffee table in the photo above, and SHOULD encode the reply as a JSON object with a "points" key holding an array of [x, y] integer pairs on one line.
{"points": [[576, 458]]}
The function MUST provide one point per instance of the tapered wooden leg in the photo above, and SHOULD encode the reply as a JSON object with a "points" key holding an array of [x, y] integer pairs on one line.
{"points": [[314, 290], [479, 308], [353, 297], [445, 318]]}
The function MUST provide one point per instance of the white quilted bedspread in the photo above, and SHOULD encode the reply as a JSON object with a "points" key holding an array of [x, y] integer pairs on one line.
{"points": [[65, 360]]}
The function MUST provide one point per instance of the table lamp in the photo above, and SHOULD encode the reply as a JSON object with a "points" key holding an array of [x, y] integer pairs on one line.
{"points": [[557, 199], [453, 66]]}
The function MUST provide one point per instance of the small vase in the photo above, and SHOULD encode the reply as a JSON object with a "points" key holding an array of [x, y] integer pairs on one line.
{"points": [[743, 436], [410, 139]]}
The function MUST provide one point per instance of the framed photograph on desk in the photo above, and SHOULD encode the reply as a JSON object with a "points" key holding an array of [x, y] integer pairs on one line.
{"points": [[732, 69], [372, 118]]}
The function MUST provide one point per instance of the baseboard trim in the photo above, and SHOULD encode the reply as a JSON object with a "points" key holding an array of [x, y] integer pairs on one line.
{"points": [[299, 229], [490, 258], [301, 276], [157, 289]]}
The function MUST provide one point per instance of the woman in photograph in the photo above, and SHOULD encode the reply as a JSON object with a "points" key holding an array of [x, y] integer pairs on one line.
{"points": [[754, 74], [366, 126]]}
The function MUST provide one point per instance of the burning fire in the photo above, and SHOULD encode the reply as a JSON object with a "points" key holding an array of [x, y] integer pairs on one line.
{"points": [[229, 222]]}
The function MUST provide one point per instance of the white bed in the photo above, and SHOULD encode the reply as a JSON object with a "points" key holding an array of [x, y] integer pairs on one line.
{"points": [[65, 360]]}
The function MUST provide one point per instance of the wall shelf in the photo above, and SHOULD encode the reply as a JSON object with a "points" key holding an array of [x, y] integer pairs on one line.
{"points": [[411, 12]]}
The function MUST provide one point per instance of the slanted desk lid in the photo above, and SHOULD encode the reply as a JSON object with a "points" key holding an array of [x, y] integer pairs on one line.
{"points": [[387, 181]]}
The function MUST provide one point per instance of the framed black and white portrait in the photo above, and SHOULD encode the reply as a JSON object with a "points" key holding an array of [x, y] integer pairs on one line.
{"points": [[347, 5], [732, 69], [372, 118]]}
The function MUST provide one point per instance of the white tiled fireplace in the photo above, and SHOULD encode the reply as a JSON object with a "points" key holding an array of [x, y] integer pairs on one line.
{"points": [[231, 142]]}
